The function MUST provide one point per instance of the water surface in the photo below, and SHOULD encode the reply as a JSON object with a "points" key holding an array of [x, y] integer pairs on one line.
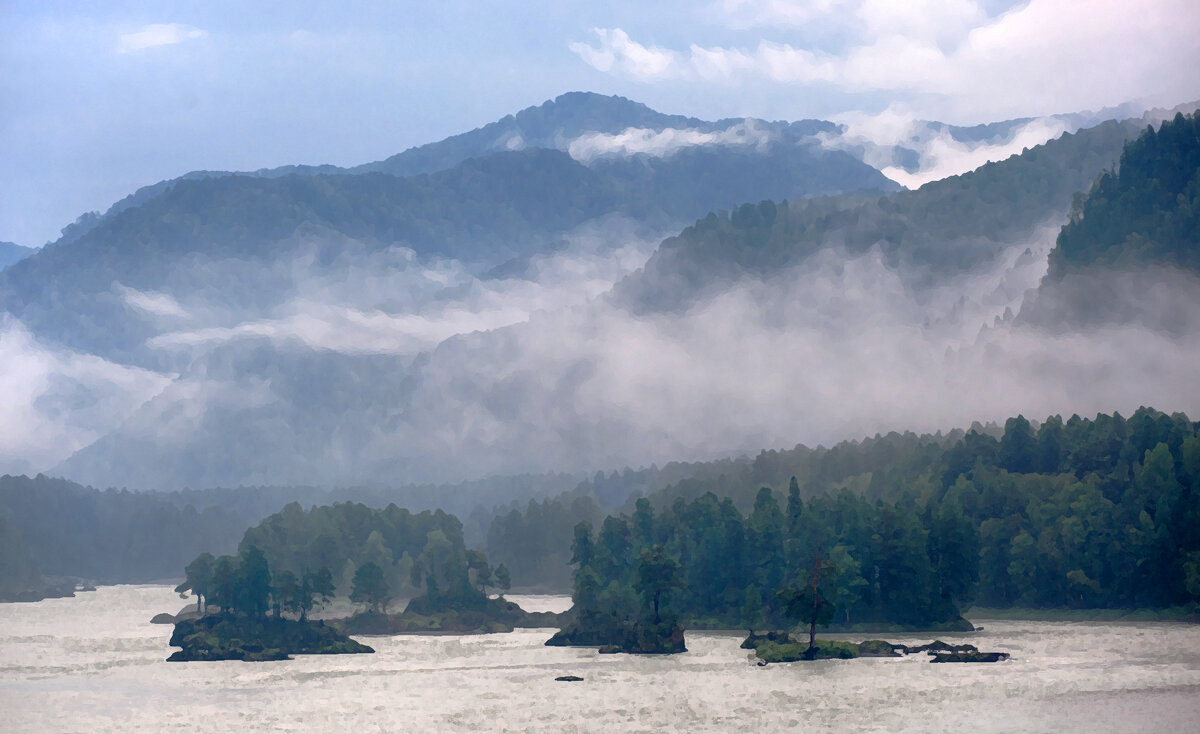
{"points": [[95, 664]]}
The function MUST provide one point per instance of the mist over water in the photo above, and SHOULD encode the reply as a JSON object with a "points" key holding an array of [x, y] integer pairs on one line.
{"points": [[94, 663]]}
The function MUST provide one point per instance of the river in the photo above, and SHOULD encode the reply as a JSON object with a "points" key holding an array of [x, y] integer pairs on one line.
{"points": [[95, 664]]}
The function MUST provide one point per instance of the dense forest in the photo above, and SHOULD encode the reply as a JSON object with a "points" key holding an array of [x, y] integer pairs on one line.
{"points": [[1147, 210], [407, 552], [61, 529], [1081, 513], [945, 227]]}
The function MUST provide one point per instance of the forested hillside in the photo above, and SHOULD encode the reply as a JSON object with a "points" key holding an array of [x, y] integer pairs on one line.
{"points": [[109, 537], [1146, 211], [1081, 513], [946, 227]]}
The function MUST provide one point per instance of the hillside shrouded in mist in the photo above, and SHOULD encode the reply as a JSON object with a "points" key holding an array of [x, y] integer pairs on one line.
{"points": [[509, 307]]}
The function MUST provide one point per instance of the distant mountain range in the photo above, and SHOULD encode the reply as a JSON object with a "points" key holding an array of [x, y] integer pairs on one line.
{"points": [[11, 252], [503, 301]]}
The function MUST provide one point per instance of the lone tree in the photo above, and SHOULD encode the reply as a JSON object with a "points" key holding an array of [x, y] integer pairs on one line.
{"points": [[370, 588], [808, 602], [198, 578], [657, 573]]}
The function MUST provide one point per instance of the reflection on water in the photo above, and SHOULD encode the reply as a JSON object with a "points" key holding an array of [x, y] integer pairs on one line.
{"points": [[94, 663]]}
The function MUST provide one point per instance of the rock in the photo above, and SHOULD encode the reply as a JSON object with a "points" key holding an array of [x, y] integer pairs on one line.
{"points": [[938, 646], [609, 649], [163, 618], [220, 637], [569, 678], [969, 657], [877, 649]]}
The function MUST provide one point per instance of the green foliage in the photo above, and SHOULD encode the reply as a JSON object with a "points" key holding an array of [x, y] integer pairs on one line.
{"points": [[111, 536], [1103, 513], [1146, 211], [945, 227], [370, 588], [657, 573]]}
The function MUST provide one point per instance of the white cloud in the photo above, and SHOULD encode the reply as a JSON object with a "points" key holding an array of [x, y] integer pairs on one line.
{"points": [[157, 34], [55, 402], [617, 52], [150, 302], [1038, 58], [662, 143], [874, 139]]}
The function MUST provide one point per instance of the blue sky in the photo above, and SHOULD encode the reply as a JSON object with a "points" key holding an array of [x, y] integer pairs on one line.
{"points": [[98, 98]]}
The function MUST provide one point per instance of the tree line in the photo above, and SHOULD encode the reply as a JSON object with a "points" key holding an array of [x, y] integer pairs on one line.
{"points": [[908, 530]]}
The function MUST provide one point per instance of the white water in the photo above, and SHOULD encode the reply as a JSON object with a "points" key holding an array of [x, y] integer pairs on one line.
{"points": [[95, 664]]}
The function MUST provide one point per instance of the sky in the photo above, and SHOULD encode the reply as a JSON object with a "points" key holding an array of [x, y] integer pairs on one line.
{"points": [[100, 98]]}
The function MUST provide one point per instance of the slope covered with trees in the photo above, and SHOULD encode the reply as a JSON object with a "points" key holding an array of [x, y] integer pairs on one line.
{"points": [[1146, 211], [945, 227]]}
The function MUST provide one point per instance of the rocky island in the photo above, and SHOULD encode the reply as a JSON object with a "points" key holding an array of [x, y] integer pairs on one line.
{"points": [[220, 637]]}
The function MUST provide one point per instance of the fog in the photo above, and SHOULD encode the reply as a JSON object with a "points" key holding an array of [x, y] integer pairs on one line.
{"points": [[549, 372], [55, 402], [662, 143], [914, 152]]}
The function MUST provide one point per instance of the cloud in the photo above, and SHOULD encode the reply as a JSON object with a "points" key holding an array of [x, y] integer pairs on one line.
{"points": [[837, 347], [388, 302], [150, 302], [662, 143], [952, 58], [157, 34], [54, 402], [876, 139], [617, 52]]}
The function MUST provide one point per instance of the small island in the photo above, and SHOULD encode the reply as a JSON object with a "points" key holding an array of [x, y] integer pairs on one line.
{"points": [[245, 628], [221, 637], [263, 597], [781, 647]]}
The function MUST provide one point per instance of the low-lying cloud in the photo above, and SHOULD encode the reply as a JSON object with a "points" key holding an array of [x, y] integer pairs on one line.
{"points": [[836, 347], [56, 402], [663, 143], [876, 139]]}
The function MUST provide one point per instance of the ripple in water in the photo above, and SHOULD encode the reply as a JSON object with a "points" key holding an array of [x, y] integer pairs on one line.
{"points": [[96, 664]]}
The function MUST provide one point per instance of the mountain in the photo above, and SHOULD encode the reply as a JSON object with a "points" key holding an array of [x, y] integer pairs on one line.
{"points": [[11, 252], [1130, 253], [773, 323], [205, 238], [946, 227], [368, 328], [1145, 211], [574, 118]]}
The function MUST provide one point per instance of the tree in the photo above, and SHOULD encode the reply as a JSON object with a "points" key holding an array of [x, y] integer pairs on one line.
{"points": [[224, 583], [315, 590], [503, 580], [370, 588], [478, 562], [657, 573], [808, 602], [198, 577], [253, 579], [285, 593]]}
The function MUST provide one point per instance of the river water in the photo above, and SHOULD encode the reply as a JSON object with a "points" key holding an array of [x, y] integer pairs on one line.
{"points": [[95, 664]]}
